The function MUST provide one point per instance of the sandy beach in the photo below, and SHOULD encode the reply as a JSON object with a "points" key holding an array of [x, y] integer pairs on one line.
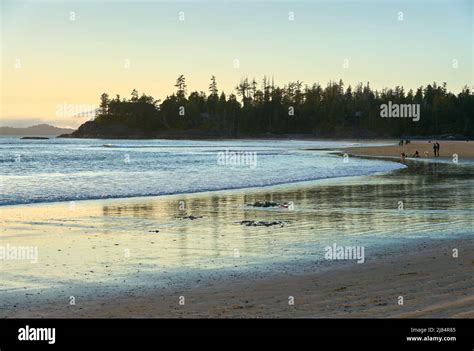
{"points": [[152, 257], [431, 282], [464, 149]]}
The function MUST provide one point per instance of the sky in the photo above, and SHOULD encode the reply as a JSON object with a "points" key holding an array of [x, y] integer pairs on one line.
{"points": [[58, 57]]}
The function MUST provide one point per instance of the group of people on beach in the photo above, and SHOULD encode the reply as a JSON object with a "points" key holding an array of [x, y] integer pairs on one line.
{"points": [[417, 154], [403, 155], [406, 141]]}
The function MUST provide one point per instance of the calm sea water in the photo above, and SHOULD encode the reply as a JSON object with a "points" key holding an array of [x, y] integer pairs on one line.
{"points": [[76, 169]]}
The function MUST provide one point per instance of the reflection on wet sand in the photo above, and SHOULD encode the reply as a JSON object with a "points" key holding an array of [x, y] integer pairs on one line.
{"points": [[110, 240]]}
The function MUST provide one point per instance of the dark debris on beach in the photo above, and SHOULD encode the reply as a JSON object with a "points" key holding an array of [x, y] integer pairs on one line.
{"points": [[192, 218], [264, 204], [248, 223], [269, 204]]}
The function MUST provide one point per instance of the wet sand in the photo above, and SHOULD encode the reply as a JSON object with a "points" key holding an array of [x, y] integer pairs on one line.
{"points": [[464, 149], [109, 257], [431, 282]]}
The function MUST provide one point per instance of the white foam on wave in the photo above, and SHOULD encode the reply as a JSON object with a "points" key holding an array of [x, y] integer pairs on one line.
{"points": [[72, 172]]}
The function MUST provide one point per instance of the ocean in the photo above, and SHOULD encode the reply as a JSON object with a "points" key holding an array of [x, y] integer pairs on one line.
{"points": [[34, 171]]}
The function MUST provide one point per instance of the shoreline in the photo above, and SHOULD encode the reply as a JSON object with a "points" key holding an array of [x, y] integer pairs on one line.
{"points": [[389, 152], [463, 149], [297, 136], [404, 264], [254, 189]]}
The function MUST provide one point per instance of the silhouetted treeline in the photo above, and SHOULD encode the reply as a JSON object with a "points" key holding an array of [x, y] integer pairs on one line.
{"points": [[296, 108]]}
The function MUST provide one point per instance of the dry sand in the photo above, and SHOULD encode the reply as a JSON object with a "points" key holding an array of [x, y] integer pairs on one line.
{"points": [[464, 149]]}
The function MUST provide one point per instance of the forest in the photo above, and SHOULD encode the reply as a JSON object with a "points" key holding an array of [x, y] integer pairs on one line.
{"points": [[256, 109]]}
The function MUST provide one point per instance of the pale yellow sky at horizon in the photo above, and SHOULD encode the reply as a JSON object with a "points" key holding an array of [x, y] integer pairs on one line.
{"points": [[49, 60]]}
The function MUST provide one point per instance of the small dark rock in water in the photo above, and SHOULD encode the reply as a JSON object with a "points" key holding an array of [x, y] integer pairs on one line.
{"points": [[271, 204], [190, 217], [154, 231], [264, 204], [34, 138], [262, 223]]}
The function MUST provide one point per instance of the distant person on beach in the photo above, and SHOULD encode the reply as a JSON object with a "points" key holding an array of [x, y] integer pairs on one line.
{"points": [[436, 149], [400, 143], [402, 156], [416, 154]]}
